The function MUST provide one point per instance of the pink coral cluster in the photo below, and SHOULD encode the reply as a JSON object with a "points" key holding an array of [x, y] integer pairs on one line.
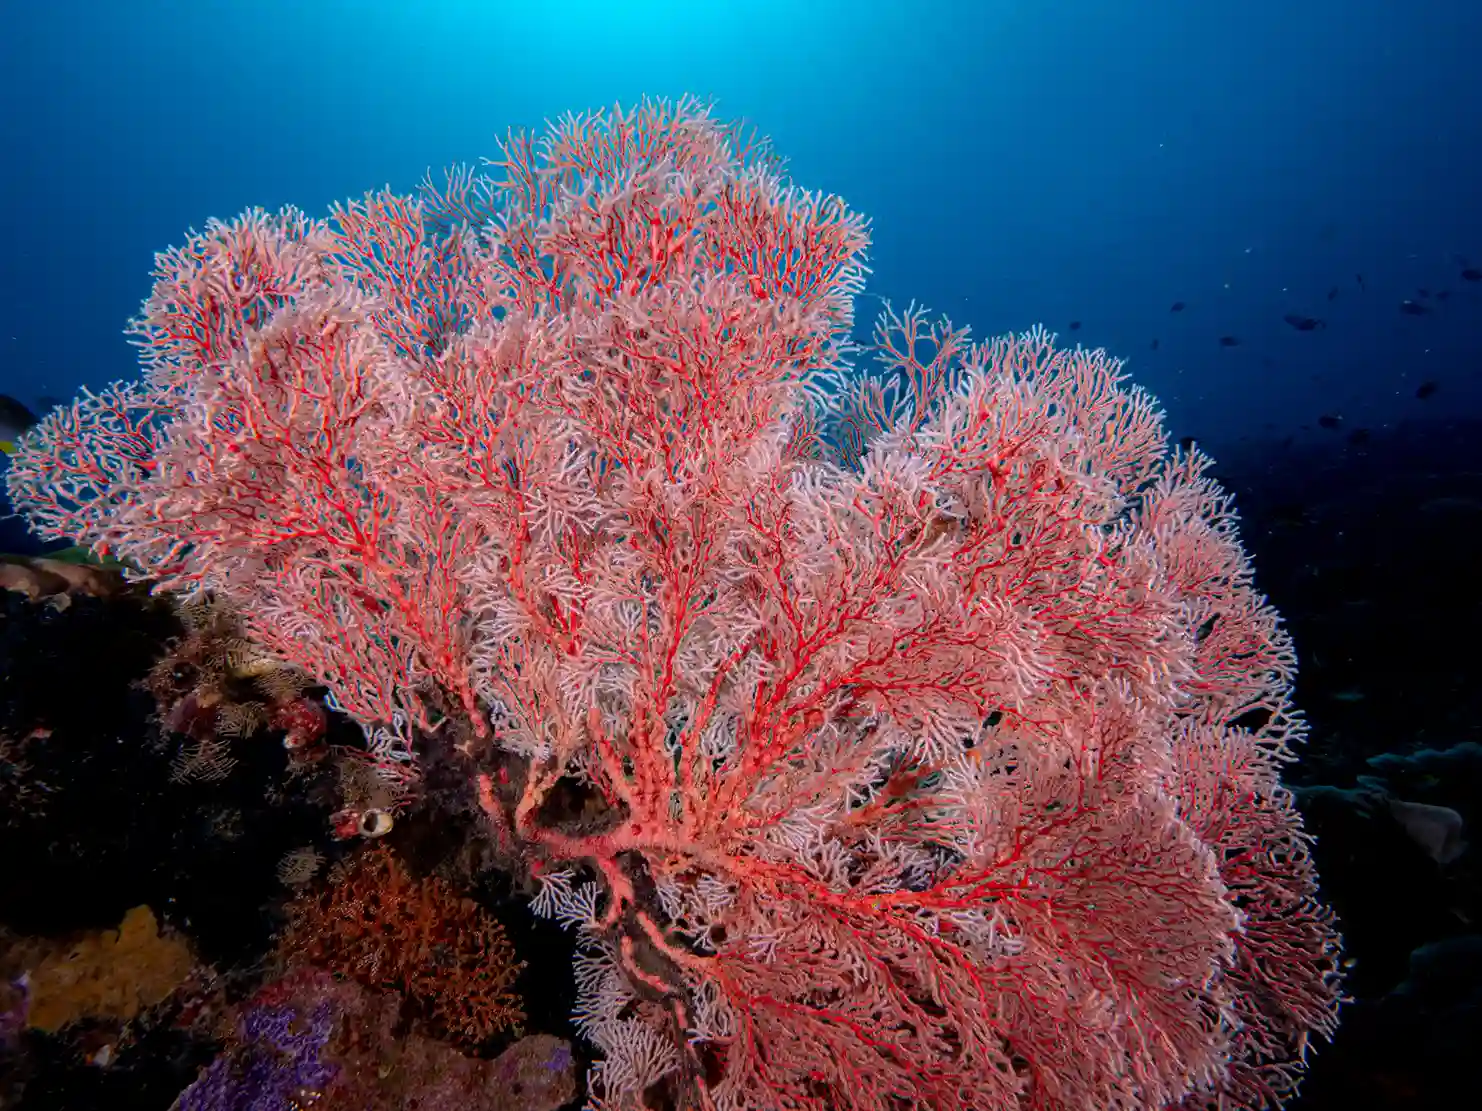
{"points": [[930, 719]]}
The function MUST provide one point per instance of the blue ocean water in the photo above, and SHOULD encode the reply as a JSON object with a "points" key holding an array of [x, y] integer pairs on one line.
{"points": [[1300, 179], [1056, 161]]}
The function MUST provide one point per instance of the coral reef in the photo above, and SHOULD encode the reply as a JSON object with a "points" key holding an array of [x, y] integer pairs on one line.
{"points": [[56, 580], [385, 929], [276, 1063], [113, 974], [308, 1038], [215, 686]]}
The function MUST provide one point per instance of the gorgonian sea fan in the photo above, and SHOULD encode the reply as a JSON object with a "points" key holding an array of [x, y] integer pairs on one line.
{"points": [[926, 722]]}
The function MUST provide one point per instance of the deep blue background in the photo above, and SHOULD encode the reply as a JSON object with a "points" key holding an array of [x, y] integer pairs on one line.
{"points": [[1023, 162]]}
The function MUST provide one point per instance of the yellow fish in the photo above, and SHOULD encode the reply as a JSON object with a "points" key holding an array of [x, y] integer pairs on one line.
{"points": [[15, 418]]}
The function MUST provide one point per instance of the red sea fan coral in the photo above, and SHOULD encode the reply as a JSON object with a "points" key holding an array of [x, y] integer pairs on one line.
{"points": [[925, 724]]}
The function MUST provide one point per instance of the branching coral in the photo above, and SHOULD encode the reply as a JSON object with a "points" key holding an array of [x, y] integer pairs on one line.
{"points": [[386, 929]]}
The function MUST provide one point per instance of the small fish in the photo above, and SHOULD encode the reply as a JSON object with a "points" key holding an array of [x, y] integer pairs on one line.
{"points": [[1075, 325], [15, 418], [1436, 829], [1471, 274], [1354, 695], [1304, 323], [1426, 389], [1155, 345], [79, 554], [1360, 279], [1413, 308], [1333, 294], [1443, 295], [1177, 306], [1186, 442], [1423, 292], [1359, 437], [1202, 632], [1229, 341], [1330, 421]]}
